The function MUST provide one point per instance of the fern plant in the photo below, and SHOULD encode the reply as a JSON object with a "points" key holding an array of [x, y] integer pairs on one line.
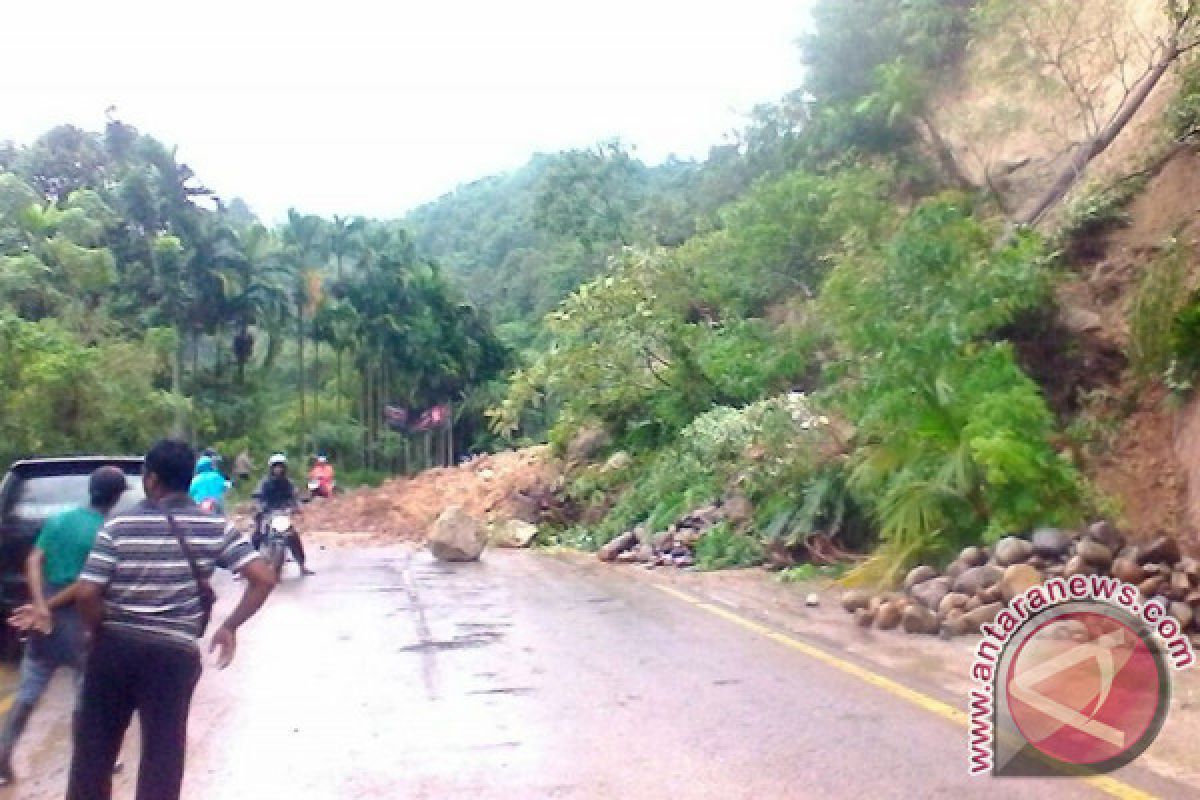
{"points": [[954, 437]]}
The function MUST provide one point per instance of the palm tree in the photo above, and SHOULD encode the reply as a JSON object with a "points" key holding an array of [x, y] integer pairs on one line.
{"points": [[345, 241], [306, 248], [256, 291]]}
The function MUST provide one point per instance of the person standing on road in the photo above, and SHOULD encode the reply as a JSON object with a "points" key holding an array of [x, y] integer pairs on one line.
{"points": [[323, 476], [56, 631], [144, 594], [242, 467]]}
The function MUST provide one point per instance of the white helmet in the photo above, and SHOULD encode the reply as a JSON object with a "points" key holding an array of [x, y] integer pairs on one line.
{"points": [[278, 458]]}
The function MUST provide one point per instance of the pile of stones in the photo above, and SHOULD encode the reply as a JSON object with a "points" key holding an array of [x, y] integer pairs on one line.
{"points": [[978, 584], [674, 547]]}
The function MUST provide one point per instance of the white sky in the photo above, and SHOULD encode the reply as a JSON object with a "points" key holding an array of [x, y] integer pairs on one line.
{"points": [[359, 107]]}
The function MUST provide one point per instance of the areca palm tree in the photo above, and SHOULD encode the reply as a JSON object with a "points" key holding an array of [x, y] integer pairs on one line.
{"points": [[256, 291], [306, 249]]}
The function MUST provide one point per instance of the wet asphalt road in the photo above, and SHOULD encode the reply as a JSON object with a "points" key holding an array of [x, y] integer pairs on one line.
{"points": [[529, 676]]}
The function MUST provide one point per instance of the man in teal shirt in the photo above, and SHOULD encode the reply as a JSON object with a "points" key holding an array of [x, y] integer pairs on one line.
{"points": [[57, 633]]}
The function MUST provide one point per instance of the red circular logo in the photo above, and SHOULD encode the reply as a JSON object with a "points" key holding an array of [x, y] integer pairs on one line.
{"points": [[1084, 688]]}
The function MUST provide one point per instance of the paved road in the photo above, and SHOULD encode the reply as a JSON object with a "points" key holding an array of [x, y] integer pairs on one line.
{"points": [[528, 676]]}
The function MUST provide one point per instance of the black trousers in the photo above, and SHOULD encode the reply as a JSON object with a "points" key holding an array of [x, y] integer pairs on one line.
{"points": [[127, 673]]}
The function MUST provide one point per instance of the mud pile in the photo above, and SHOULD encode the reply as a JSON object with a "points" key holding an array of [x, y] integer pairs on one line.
{"points": [[493, 487]]}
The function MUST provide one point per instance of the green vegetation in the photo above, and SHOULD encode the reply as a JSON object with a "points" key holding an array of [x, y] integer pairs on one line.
{"points": [[1183, 115], [812, 322], [134, 302], [862, 269], [723, 548], [806, 573], [1184, 343], [1160, 297]]}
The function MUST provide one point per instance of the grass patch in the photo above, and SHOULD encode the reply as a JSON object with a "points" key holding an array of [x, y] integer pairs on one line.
{"points": [[806, 573], [723, 548]]}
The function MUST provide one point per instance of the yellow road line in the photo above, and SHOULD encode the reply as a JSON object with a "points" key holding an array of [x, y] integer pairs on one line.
{"points": [[1104, 783]]}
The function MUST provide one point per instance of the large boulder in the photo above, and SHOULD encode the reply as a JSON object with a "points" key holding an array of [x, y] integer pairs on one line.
{"points": [[1182, 612], [1011, 550], [1017, 579], [610, 551], [970, 622], [976, 579], [1128, 570], [951, 602], [1152, 585], [930, 593], [992, 594], [973, 556], [890, 614], [1179, 585], [1051, 543], [513, 533], [1078, 566], [1095, 553], [1107, 534], [919, 619], [956, 567], [587, 443], [919, 575], [1189, 565], [1161, 549], [855, 599], [457, 536]]}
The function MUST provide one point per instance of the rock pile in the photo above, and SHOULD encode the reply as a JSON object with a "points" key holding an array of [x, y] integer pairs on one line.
{"points": [[674, 547], [977, 585]]}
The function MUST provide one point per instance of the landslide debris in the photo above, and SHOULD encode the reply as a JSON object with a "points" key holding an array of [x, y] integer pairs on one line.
{"points": [[975, 587], [492, 488]]}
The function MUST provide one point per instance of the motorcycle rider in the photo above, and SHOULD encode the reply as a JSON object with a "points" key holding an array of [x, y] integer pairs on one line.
{"points": [[208, 486], [323, 476], [277, 493]]}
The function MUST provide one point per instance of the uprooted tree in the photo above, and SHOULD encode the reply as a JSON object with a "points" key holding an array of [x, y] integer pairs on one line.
{"points": [[1097, 57]]}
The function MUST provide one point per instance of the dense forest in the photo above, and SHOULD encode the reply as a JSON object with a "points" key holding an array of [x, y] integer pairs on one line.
{"points": [[134, 301], [829, 317]]}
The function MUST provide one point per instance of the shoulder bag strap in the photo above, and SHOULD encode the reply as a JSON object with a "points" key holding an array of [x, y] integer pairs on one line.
{"points": [[201, 582]]}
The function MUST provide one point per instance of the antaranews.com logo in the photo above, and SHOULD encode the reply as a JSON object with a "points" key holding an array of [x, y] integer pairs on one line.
{"points": [[1075, 675]]}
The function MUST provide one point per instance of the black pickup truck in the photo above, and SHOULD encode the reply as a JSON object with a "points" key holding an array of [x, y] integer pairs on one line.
{"points": [[32, 491]]}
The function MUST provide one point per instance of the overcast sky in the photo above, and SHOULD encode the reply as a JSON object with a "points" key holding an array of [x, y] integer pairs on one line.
{"points": [[376, 106]]}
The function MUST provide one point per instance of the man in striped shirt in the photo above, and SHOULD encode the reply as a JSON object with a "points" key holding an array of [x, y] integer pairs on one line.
{"points": [[141, 595]]}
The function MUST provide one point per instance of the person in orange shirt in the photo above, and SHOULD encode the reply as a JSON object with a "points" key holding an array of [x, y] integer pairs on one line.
{"points": [[323, 476]]}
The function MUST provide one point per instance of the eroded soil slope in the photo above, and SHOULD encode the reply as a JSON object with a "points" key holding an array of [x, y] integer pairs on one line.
{"points": [[500, 486]]}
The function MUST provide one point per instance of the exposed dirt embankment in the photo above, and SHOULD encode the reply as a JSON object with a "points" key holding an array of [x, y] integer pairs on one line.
{"points": [[1013, 132], [1153, 466], [502, 486], [1012, 129]]}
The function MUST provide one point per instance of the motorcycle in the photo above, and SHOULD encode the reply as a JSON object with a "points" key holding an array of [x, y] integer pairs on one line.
{"points": [[277, 526]]}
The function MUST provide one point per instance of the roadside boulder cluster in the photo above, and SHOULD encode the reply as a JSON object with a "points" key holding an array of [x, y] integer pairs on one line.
{"points": [[674, 547], [978, 584]]}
